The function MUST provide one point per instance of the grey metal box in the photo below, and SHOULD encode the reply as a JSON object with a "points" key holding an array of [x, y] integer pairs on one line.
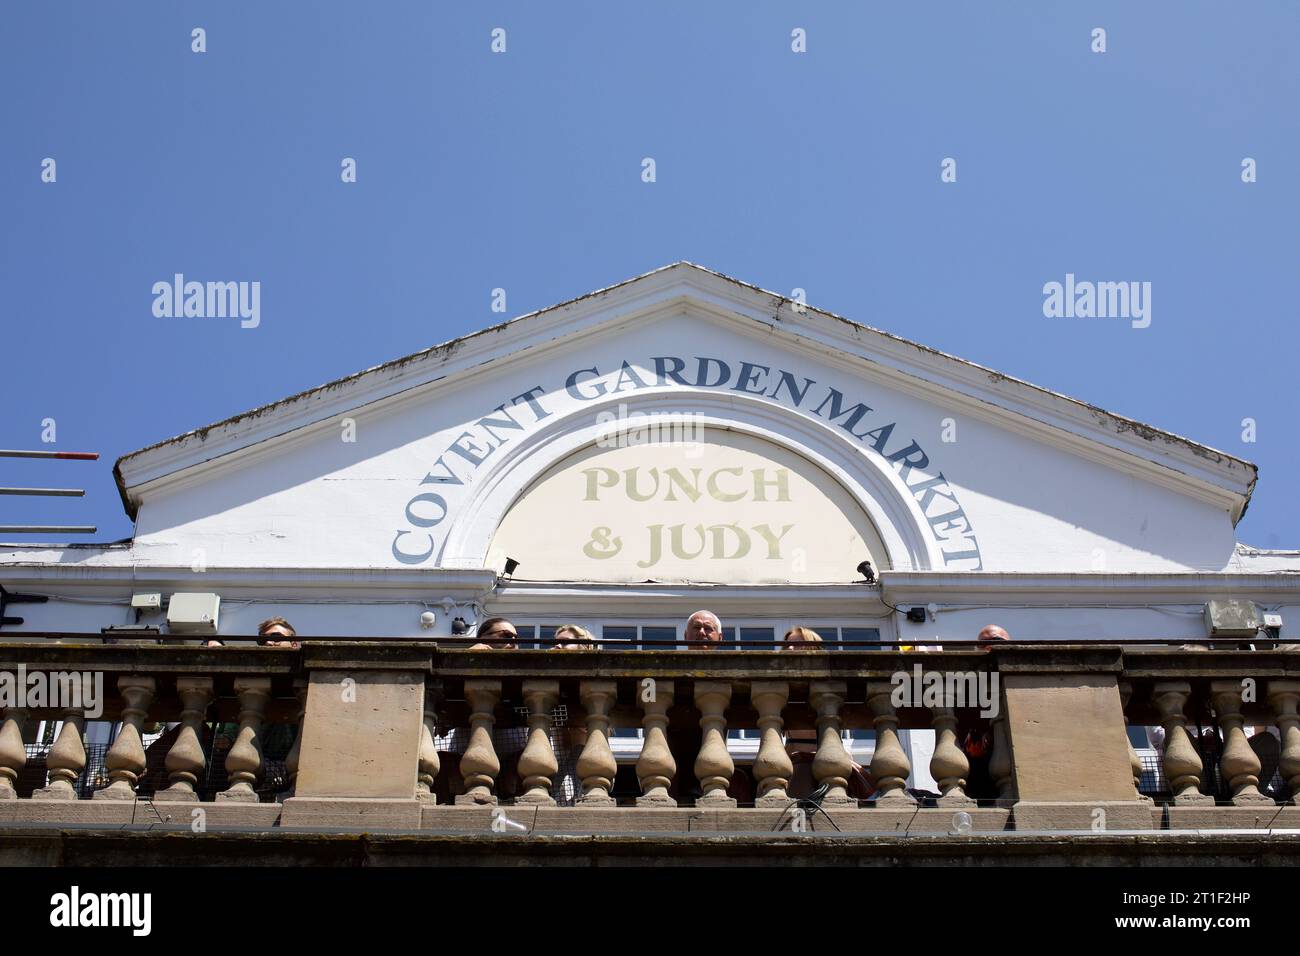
{"points": [[1231, 618], [191, 612]]}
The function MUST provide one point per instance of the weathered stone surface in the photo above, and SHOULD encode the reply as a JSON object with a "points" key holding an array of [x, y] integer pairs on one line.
{"points": [[1097, 816], [1068, 740], [159, 846], [1234, 818], [361, 739], [359, 813]]}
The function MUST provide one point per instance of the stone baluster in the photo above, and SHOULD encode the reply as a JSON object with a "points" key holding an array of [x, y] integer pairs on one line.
{"points": [[1283, 697], [292, 758], [596, 763], [1182, 762], [13, 752], [66, 759], [479, 765], [1134, 761], [772, 765], [1239, 764], [185, 761], [125, 759], [537, 764], [832, 765], [244, 762], [655, 768], [714, 766], [429, 764], [889, 765], [949, 765]]}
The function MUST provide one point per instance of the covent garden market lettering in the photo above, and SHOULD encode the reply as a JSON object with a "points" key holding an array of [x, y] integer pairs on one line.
{"points": [[428, 509]]}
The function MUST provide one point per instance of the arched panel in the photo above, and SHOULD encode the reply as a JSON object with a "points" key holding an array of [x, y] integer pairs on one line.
{"points": [[848, 487], [721, 506]]}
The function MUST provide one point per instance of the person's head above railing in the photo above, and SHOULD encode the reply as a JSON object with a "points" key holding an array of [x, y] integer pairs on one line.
{"points": [[273, 632], [800, 638], [496, 633], [703, 631], [276, 632], [991, 634], [571, 637]]}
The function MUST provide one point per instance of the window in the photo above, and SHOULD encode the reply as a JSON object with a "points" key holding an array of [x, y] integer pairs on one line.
{"points": [[625, 634], [758, 634], [861, 634], [658, 633]]}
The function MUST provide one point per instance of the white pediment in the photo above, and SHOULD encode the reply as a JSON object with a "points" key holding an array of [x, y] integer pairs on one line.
{"points": [[934, 463]]}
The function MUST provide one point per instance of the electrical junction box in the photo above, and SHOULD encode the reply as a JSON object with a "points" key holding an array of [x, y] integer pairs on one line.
{"points": [[1231, 619], [1273, 621], [147, 602], [190, 612]]}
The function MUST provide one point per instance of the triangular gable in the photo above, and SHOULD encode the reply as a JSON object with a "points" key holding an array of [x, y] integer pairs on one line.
{"points": [[1151, 453]]}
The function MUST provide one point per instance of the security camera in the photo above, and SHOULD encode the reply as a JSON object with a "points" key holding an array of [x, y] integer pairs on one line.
{"points": [[427, 619], [868, 572]]}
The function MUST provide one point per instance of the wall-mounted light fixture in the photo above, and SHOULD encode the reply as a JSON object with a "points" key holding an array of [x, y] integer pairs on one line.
{"points": [[868, 572]]}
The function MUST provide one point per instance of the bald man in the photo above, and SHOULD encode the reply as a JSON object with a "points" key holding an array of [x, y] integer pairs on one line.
{"points": [[992, 634], [703, 631]]}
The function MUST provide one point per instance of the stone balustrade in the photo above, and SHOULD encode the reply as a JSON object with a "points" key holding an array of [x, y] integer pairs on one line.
{"points": [[1205, 702], [409, 735], [136, 689]]}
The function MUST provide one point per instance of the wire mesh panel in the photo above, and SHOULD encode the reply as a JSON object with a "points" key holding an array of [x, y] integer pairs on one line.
{"points": [[1153, 783], [1209, 746], [277, 739], [509, 742], [565, 787], [35, 773]]}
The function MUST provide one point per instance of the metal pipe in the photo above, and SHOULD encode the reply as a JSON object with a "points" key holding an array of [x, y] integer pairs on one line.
{"points": [[75, 455], [56, 492], [47, 529]]}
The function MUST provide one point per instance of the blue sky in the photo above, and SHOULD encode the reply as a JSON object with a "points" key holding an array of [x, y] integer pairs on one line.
{"points": [[522, 170]]}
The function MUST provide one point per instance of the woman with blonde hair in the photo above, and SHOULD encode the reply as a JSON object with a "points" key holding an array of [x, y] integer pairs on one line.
{"points": [[571, 637], [799, 638]]}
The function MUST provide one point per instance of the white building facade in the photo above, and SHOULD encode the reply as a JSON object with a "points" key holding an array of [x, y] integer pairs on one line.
{"points": [[676, 442]]}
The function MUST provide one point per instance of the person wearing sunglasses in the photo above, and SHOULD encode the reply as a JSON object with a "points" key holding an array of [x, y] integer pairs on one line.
{"points": [[496, 633]]}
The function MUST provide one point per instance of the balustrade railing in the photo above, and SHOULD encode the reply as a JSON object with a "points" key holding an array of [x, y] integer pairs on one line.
{"points": [[417, 735]]}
